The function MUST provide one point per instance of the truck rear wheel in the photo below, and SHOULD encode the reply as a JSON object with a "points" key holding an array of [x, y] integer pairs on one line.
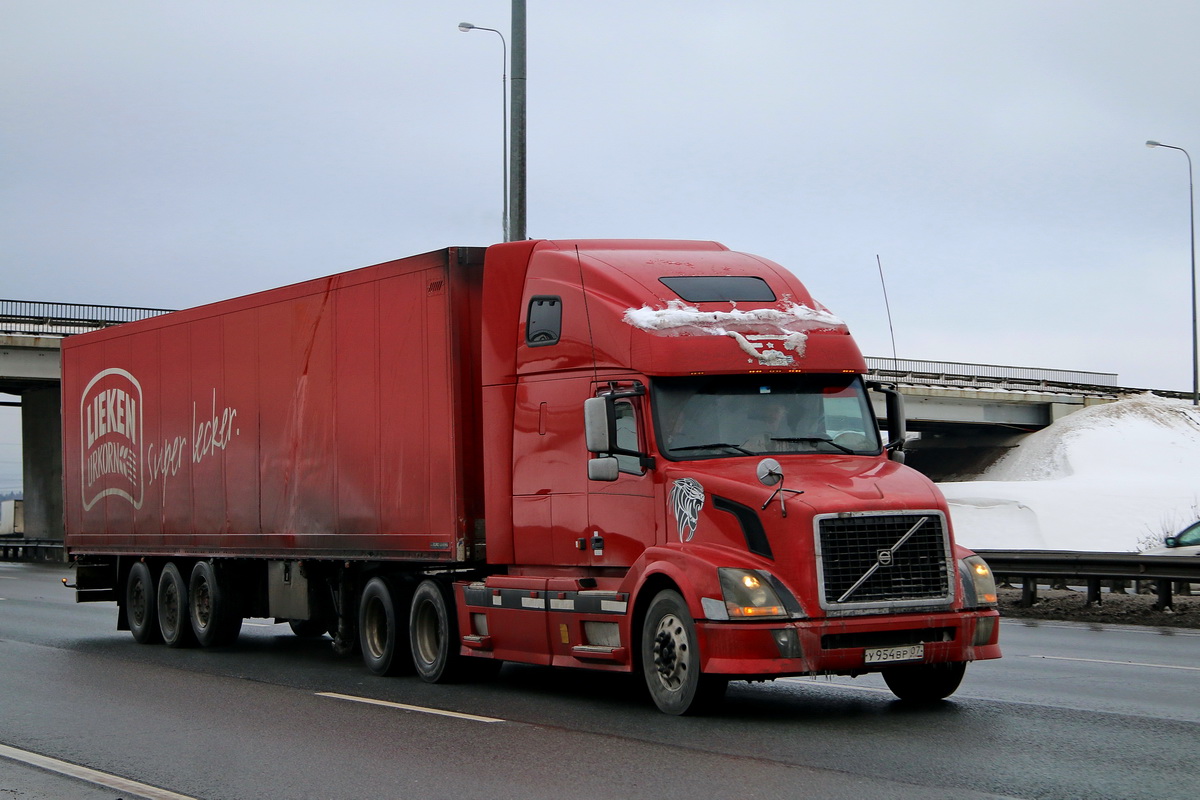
{"points": [[671, 659], [925, 683], [216, 618], [382, 632], [141, 605], [433, 633], [172, 608]]}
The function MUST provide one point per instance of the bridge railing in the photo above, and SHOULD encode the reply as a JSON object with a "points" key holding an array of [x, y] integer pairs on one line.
{"points": [[18, 548], [1091, 568], [37, 318], [967, 374]]}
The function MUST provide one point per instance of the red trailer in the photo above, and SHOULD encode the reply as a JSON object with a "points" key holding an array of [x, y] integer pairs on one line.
{"points": [[647, 456]]}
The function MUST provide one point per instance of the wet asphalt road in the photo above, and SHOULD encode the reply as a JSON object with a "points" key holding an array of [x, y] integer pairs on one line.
{"points": [[1071, 711]]}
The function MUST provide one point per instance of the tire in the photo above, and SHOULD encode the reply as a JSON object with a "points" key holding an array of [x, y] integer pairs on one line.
{"points": [[433, 634], [216, 615], [670, 658], [141, 605], [382, 632], [925, 683], [172, 610], [310, 628]]}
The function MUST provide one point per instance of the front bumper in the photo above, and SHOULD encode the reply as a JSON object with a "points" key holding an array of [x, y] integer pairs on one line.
{"points": [[780, 648]]}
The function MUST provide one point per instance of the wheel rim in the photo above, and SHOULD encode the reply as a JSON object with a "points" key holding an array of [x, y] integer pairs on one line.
{"points": [[170, 606], [138, 603], [202, 600], [427, 633], [375, 628], [672, 652]]}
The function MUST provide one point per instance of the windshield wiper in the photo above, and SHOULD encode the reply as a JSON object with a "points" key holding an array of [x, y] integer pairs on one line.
{"points": [[739, 448], [813, 440]]}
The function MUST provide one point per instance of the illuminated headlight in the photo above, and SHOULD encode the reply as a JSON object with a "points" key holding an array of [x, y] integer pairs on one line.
{"points": [[748, 595], [978, 583]]}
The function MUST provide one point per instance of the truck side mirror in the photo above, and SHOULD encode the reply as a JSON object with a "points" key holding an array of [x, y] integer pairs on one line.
{"points": [[603, 469], [897, 430], [596, 426]]}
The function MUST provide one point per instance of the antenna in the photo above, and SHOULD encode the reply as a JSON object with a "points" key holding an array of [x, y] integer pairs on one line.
{"points": [[888, 306]]}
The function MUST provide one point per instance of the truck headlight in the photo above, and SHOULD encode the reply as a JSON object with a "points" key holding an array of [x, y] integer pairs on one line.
{"points": [[979, 585], [748, 595]]}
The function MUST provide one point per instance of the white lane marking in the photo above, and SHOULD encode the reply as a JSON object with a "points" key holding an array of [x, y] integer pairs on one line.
{"points": [[1119, 663], [90, 775], [405, 707]]}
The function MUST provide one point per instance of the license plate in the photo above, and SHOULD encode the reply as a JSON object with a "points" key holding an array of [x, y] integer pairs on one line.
{"points": [[890, 655]]}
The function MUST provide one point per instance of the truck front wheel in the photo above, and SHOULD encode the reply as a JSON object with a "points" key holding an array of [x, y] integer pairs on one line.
{"points": [[172, 608], [141, 605], [671, 659], [924, 683], [382, 632]]}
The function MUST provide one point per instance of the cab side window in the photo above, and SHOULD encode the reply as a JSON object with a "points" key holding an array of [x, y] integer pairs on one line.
{"points": [[543, 323], [628, 437]]}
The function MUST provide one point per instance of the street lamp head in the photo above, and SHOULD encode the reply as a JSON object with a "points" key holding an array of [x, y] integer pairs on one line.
{"points": [[1150, 143], [465, 26]]}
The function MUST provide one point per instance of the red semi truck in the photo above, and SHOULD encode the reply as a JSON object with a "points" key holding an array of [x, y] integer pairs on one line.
{"points": [[656, 457]]}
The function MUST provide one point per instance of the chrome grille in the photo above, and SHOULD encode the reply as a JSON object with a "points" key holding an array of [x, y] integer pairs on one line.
{"points": [[883, 560]]}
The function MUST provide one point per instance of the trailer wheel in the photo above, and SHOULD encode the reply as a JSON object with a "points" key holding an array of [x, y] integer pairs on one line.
{"points": [[141, 605], [172, 608], [216, 617], [433, 633], [925, 683], [382, 632], [671, 659]]}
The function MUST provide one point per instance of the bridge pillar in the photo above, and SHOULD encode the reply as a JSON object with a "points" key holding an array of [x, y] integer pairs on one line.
{"points": [[41, 434]]}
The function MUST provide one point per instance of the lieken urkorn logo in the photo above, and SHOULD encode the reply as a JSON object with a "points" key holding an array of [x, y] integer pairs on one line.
{"points": [[110, 417]]}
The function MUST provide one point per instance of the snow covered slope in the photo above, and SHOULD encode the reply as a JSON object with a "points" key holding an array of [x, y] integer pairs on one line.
{"points": [[1112, 477]]}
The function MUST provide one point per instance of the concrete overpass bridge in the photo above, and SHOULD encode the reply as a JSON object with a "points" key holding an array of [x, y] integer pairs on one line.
{"points": [[962, 416], [30, 370], [965, 416]]}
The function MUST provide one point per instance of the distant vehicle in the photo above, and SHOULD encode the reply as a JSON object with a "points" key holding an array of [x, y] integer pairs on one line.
{"points": [[1184, 543]]}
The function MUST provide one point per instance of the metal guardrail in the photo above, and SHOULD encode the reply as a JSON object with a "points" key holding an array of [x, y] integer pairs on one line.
{"points": [[37, 318], [1029, 565], [17, 548]]}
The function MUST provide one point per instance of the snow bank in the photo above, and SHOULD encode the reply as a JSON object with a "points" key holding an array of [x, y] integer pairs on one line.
{"points": [[1113, 477]]}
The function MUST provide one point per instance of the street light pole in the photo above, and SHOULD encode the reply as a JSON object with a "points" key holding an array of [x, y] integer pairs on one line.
{"points": [[1192, 211], [466, 27], [516, 202]]}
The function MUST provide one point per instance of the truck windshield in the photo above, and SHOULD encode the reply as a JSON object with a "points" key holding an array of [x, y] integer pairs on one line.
{"points": [[714, 416]]}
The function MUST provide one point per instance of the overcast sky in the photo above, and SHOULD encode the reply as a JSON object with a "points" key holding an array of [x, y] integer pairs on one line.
{"points": [[169, 153]]}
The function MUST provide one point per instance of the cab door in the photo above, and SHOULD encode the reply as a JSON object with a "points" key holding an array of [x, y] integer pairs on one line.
{"points": [[622, 523]]}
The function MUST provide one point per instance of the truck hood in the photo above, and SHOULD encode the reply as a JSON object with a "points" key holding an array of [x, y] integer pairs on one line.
{"points": [[718, 506]]}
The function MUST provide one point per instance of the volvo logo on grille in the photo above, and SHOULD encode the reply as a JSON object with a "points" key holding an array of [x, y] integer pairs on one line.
{"points": [[884, 557]]}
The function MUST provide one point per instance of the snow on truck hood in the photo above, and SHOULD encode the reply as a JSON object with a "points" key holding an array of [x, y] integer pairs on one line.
{"points": [[793, 321]]}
